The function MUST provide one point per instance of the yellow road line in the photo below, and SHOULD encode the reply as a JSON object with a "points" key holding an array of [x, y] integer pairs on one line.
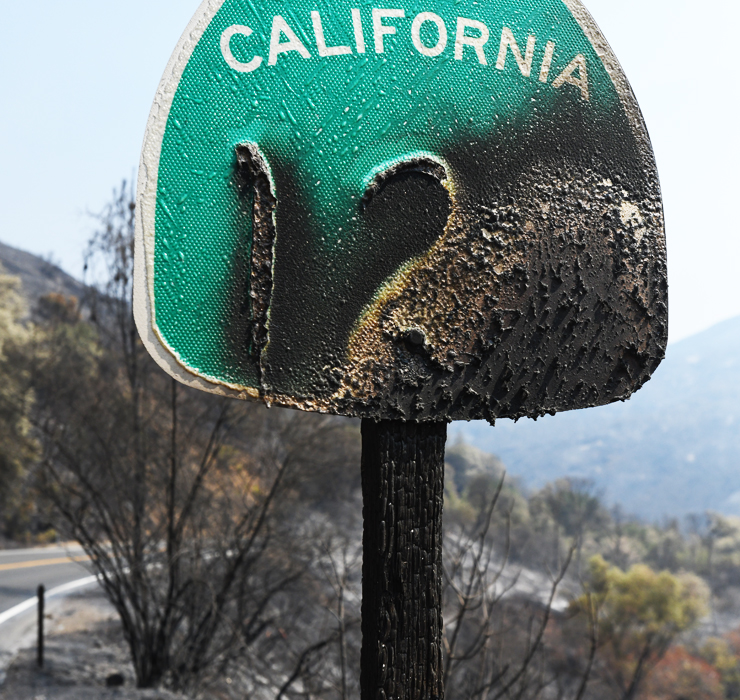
{"points": [[41, 562]]}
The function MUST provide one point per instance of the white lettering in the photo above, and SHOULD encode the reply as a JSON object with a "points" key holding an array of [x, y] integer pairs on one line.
{"points": [[359, 35], [247, 67], [508, 41], [280, 26], [380, 29], [477, 42], [439, 47], [581, 81], [324, 50], [547, 61], [575, 73]]}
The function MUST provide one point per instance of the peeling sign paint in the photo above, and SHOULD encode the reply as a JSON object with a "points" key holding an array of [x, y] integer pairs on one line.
{"points": [[553, 316]]}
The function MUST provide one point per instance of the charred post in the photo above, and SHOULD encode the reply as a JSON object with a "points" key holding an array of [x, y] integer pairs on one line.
{"points": [[402, 489]]}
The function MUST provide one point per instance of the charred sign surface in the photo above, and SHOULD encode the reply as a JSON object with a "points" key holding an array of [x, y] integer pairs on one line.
{"points": [[433, 211]]}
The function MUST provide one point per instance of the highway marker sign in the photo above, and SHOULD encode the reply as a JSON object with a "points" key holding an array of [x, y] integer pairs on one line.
{"points": [[411, 211]]}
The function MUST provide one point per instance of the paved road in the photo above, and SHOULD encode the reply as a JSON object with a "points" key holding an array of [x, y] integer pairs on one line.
{"points": [[22, 570]]}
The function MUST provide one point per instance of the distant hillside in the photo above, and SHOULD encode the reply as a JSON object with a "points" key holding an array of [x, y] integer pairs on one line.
{"points": [[464, 462], [673, 449], [38, 277]]}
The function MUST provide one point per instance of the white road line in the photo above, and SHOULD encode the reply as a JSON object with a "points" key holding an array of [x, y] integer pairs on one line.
{"points": [[52, 549], [59, 590]]}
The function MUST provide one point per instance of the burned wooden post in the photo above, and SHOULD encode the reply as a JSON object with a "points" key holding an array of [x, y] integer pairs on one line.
{"points": [[392, 224], [402, 493]]}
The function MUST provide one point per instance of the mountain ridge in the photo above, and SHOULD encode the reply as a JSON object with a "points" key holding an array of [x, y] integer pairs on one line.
{"points": [[672, 449], [38, 276]]}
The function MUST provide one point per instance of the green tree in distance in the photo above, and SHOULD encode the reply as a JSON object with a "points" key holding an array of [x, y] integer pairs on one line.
{"points": [[634, 616]]}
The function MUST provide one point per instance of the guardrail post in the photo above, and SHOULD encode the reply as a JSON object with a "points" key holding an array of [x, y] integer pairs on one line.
{"points": [[40, 641]]}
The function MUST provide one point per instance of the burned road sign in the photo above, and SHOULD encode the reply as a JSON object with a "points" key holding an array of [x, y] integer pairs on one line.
{"points": [[412, 211]]}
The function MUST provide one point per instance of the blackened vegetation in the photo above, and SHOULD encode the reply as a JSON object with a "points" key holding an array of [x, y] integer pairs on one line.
{"points": [[403, 488], [196, 511]]}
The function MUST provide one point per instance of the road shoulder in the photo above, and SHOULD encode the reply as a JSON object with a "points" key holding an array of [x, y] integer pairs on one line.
{"points": [[84, 647]]}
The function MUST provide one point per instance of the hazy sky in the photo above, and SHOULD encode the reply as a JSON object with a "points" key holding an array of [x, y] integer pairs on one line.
{"points": [[78, 78]]}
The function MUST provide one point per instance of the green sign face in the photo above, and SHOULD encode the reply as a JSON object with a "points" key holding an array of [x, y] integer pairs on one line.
{"points": [[421, 210]]}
